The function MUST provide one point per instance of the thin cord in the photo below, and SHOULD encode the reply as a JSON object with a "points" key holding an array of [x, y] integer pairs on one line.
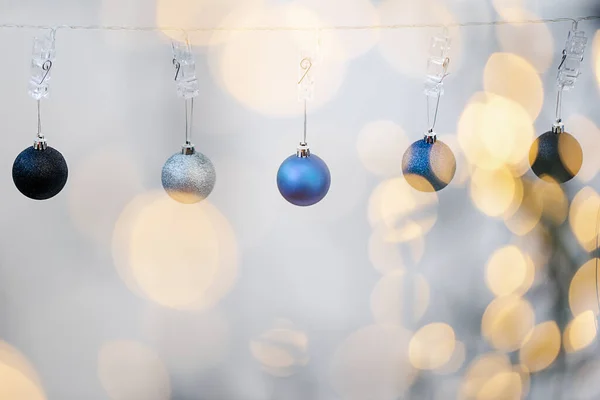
{"points": [[189, 120], [435, 114], [304, 137], [559, 105], [39, 116], [297, 28]]}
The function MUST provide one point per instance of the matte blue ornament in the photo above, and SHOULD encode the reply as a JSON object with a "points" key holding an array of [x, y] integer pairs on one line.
{"points": [[556, 154], [303, 179], [428, 165]]}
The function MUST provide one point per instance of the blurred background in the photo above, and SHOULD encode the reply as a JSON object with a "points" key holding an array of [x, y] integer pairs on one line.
{"points": [[485, 290]]}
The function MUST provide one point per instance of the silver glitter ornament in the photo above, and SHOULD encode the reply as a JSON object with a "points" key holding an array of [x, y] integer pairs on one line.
{"points": [[188, 177]]}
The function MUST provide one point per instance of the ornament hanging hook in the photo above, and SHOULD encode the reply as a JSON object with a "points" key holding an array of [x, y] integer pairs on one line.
{"points": [[305, 64]]}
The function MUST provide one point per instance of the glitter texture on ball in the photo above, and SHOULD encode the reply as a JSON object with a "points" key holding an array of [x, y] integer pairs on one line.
{"points": [[188, 178], [40, 174], [556, 155], [428, 167]]}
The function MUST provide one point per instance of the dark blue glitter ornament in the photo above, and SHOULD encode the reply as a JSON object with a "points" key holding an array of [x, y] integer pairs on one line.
{"points": [[556, 155], [428, 165], [40, 173], [303, 180]]}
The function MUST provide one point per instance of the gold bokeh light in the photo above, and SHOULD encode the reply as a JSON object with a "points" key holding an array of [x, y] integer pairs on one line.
{"points": [[541, 347], [416, 42], [178, 255], [509, 271], [587, 133], [401, 213], [495, 192], [489, 377], [388, 256], [582, 290], [516, 38], [432, 346], [583, 217], [18, 378], [513, 77], [580, 332], [495, 132], [130, 370], [529, 212], [260, 68], [596, 55], [372, 363], [281, 350], [507, 321], [194, 13], [379, 145], [389, 298]]}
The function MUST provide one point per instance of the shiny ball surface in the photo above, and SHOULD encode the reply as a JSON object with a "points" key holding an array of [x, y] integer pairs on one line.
{"points": [[556, 155], [428, 167], [303, 181], [188, 178], [40, 174]]}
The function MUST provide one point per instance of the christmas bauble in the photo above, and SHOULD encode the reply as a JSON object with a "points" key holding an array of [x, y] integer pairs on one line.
{"points": [[428, 166], [556, 155], [303, 181], [188, 178], [40, 174]]}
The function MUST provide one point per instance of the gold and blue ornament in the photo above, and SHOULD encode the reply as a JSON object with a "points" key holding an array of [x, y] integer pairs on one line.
{"points": [[40, 172], [556, 155], [428, 164], [187, 176]]}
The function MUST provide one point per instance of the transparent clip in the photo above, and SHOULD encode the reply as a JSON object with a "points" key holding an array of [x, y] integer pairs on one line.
{"points": [[437, 64], [570, 66], [437, 71], [185, 69], [569, 70], [306, 76], [41, 65]]}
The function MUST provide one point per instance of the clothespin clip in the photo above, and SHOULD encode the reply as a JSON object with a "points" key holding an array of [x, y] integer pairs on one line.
{"points": [[573, 54], [187, 85], [42, 60], [437, 70]]}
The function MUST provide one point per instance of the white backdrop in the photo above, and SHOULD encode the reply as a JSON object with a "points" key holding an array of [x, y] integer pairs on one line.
{"points": [[92, 282]]}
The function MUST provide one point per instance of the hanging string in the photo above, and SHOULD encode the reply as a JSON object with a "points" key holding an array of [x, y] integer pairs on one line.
{"points": [[435, 113], [304, 137], [189, 120], [559, 106], [39, 118], [298, 28]]}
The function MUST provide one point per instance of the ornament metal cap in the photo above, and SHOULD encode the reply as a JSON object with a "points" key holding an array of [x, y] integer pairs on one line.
{"points": [[303, 151], [558, 127], [430, 137], [40, 143], [188, 149]]}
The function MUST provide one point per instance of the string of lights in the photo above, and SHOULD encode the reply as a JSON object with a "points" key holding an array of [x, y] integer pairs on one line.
{"points": [[297, 28]]}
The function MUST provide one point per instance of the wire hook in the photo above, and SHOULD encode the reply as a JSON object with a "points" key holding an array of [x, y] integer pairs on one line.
{"points": [[306, 64]]}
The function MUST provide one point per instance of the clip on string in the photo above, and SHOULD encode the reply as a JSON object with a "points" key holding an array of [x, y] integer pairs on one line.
{"points": [[437, 71], [187, 85]]}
